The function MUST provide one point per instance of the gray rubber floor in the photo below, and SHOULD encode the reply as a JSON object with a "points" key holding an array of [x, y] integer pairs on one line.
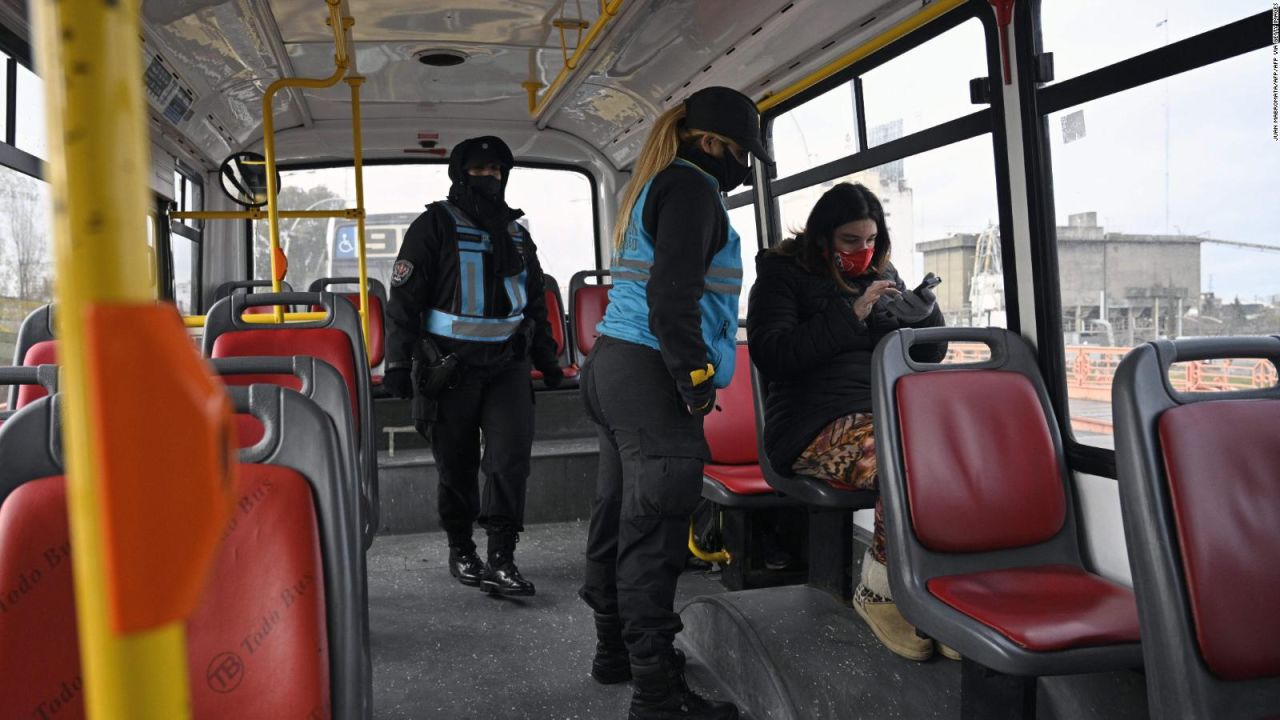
{"points": [[442, 650]]}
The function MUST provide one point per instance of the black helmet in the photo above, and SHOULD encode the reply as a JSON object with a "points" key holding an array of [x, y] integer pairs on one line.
{"points": [[480, 151]]}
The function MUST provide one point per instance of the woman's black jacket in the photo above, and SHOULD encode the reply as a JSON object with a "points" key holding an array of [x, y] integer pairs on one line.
{"points": [[814, 353]]}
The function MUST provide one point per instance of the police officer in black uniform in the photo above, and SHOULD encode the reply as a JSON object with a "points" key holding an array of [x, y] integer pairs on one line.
{"points": [[467, 315]]}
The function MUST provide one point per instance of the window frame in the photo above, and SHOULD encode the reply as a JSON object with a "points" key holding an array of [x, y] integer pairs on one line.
{"points": [[989, 118], [195, 235], [1040, 100], [18, 52], [376, 162]]}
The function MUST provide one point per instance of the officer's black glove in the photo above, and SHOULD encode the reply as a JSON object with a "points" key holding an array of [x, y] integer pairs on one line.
{"points": [[399, 382], [700, 393], [552, 376]]}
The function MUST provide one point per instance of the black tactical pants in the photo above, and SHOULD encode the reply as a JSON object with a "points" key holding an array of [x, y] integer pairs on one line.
{"points": [[650, 478], [497, 401]]}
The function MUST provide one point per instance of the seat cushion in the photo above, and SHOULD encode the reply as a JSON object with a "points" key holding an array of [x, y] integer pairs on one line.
{"points": [[44, 352], [257, 645], [1220, 459], [982, 470], [739, 479], [589, 305], [39, 651], [1044, 608], [731, 427], [328, 344]]}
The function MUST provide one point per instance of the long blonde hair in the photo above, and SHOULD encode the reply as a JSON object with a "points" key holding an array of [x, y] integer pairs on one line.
{"points": [[659, 151]]}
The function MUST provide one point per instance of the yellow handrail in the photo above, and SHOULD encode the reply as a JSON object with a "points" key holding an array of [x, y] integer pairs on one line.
{"points": [[99, 159], [537, 105], [195, 321], [915, 22], [357, 161], [260, 214], [340, 61]]}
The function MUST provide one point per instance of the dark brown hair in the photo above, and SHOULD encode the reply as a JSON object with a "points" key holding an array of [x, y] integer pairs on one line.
{"points": [[813, 246]]}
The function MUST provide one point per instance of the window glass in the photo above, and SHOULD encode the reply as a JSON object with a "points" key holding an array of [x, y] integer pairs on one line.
{"points": [[819, 131], [925, 86], [1161, 231], [4, 97], [30, 114], [743, 220], [557, 205], [25, 239], [1085, 35], [186, 281], [940, 207]]}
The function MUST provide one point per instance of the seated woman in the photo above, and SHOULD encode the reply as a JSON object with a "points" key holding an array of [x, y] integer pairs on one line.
{"points": [[816, 312]]}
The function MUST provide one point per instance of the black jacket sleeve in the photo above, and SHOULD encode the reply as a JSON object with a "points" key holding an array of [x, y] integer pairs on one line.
{"points": [[410, 298], [542, 347], [684, 216], [931, 353], [783, 345]]}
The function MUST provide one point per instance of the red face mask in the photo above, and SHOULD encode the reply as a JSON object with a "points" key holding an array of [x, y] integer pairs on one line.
{"points": [[854, 263]]}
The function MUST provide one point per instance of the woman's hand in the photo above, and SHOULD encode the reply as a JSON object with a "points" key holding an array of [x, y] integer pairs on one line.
{"points": [[862, 306]]}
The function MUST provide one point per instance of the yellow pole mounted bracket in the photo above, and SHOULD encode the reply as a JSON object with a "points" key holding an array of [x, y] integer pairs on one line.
{"points": [[608, 11], [136, 580], [721, 557], [927, 15]]}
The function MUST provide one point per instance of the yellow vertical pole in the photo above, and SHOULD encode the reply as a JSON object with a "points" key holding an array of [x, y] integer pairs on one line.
{"points": [[98, 166], [357, 154]]}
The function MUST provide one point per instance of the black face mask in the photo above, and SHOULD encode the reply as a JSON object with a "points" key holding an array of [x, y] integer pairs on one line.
{"points": [[725, 169], [486, 185]]}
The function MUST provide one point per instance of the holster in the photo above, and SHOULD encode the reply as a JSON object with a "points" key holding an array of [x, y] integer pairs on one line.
{"points": [[433, 372]]}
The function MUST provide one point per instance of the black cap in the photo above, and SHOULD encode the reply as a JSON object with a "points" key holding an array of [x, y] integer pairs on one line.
{"points": [[727, 112], [478, 151]]}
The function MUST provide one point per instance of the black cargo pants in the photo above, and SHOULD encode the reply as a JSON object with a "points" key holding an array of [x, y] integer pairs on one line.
{"points": [[650, 478], [497, 401]]}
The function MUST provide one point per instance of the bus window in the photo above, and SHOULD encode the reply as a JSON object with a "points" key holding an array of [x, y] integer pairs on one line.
{"points": [[943, 65], [821, 130], [30, 131], [743, 220], [942, 214], [1161, 227], [557, 203], [184, 240], [24, 253], [1085, 35]]}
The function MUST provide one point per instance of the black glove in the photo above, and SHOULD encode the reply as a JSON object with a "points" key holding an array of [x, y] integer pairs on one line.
{"points": [[552, 376], [399, 382], [700, 399]]}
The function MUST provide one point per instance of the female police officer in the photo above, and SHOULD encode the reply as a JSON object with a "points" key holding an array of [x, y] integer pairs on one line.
{"points": [[467, 307], [666, 344]]}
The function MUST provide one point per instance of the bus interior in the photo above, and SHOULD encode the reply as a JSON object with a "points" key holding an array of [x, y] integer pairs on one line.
{"points": [[224, 515]]}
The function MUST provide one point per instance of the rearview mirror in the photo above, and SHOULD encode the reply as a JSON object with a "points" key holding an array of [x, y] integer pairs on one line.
{"points": [[244, 179]]}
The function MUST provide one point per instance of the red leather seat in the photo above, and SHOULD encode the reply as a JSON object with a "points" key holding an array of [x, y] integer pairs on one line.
{"points": [[44, 352], [328, 344], [1050, 607], [589, 305], [377, 328], [555, 317], [250, 653], [739, 479], [730, 430]]}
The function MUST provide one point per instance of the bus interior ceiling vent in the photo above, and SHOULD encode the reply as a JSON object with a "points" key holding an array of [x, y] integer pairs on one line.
{"points": [[440, 57]]}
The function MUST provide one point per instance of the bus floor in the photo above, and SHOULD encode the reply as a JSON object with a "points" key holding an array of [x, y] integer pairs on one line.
{"points": [[442, 650]]}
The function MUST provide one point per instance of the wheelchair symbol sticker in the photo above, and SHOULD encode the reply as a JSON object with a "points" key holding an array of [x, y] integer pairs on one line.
{"points": [[345, 246]]}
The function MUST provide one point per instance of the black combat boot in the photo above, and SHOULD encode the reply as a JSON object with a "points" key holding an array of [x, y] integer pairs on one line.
{"points": [[501, 576], [661, 693], [611, 664], [464, 564]]}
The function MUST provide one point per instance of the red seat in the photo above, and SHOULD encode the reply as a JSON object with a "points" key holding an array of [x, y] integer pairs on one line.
{"points": [[739, 479], [250, 653], [44, 352], [377, 332], [589, 305], [328, 344], [1050, 607]]}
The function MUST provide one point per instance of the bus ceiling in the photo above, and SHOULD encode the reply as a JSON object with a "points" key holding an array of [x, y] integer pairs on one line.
{"points": [[453, 71]]}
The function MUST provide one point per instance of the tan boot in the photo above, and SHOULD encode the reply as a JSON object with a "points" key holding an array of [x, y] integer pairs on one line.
{"points": [[882, 616], [946, 651]]}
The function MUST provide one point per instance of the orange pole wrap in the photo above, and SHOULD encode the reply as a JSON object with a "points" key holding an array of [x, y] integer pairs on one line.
{"points": [[281, 265], [166, 496]]}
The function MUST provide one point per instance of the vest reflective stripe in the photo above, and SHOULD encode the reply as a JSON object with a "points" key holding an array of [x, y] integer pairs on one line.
{"points": [[469, 322], [627, 316]]}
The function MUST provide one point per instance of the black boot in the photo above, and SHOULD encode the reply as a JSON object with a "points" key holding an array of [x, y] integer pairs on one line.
{"points": [[661, 693], [465, 565], [611, 664], [501, 576]]}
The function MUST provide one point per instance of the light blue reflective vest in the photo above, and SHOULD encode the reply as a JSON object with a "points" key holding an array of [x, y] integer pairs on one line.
{"points": [[466, 319], [627, 317]]}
